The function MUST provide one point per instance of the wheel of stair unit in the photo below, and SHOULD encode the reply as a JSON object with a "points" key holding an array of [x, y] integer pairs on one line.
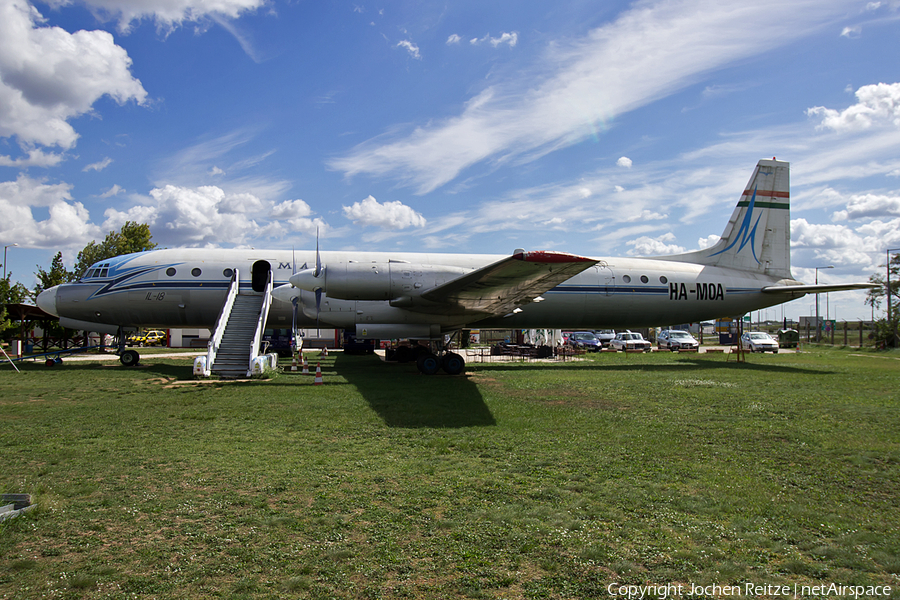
{"points": [[453, 363], [129, 358], [428, 364]]}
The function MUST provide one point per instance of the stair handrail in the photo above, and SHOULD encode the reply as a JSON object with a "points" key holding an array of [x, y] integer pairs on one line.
{"points": [[261, 323], [213, 347]]}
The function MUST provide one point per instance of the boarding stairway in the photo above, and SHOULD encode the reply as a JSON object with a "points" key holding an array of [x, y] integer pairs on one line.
{"points": [[233, 356], [233, 350]]}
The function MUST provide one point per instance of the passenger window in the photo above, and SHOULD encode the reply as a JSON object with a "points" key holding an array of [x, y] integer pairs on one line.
{"points": [[662, 279], [644, 279], [170, 271], [228, 273], [626, 278], [196, 272]]}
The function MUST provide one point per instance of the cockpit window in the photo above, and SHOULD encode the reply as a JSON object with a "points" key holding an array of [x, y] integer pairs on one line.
{"points": [[98, 270]]}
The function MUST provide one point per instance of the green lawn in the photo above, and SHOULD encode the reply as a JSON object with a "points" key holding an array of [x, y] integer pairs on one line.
{"points": [[517, 481]]}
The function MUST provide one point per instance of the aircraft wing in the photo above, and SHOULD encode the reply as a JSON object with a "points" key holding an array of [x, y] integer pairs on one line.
{"points": [[820, 288], [503, 286]]}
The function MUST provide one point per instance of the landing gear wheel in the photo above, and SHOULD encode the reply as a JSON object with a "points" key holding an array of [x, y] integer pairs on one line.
{"points": [[428, 364], [129, 358], [404, 354], [453, 363]]}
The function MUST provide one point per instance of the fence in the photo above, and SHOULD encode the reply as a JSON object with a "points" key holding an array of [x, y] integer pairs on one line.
{"points": [[837, 333]]}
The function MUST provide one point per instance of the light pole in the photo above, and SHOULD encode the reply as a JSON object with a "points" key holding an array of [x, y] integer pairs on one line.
{"points": [[819, 325], [4, 258]]}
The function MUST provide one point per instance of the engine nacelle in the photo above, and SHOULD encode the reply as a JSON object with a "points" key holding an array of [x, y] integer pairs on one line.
{"points": [[376, 280], [358, 281]]}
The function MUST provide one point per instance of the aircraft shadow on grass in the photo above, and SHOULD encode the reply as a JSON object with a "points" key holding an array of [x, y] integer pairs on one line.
{"points": [[403, 397]]}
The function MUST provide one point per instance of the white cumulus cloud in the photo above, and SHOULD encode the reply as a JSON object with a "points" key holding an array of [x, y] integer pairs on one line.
{"points": [[35, 158], [49, 76], [191, 216], [647, 246], [869, 206], [879, 104], [390, 215], [67, 224]]}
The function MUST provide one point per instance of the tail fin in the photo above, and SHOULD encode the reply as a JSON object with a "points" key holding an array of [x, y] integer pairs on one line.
{"points": [[758, 235]]}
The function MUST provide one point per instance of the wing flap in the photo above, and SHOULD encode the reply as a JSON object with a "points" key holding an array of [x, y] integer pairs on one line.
{"points": [[503, 286]]}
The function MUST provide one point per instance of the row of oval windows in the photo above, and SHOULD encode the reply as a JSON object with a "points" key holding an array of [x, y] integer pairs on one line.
{"points": [[645, 279], [196, 272]]}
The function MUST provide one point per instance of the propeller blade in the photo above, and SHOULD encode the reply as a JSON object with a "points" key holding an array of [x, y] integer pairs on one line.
{"points": [[318, 307], [295, 301], [318, 270]]}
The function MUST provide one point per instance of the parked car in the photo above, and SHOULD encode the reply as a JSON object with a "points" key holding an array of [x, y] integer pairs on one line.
{"points": [[676, 339], [627, 340], [757, 341], [605, 336], [150, 338], [585, 340]]}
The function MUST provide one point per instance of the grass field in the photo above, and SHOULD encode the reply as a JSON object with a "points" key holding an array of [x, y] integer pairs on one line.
{"points": [[516, 481]]}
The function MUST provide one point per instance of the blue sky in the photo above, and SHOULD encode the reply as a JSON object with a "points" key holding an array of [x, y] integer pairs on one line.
{"points": [[603, 129]]}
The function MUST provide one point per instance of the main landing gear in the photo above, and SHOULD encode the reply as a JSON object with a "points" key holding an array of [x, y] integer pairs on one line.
{"points": [[429, 361], [451, 362]]}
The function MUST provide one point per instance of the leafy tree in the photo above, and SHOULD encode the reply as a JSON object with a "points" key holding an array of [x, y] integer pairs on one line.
{"points": [[9, 294], [885, 329], [133, 237], [55, 276]]}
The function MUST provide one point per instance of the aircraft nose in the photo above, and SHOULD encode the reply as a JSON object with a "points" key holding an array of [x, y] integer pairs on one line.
{"points": [[46, 301]]}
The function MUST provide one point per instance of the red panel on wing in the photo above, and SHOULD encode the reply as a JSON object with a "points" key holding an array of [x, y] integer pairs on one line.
{"points": [[550, 257]]}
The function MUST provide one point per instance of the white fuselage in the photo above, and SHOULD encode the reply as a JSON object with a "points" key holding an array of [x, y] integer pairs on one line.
{"points": [[186, 288]]}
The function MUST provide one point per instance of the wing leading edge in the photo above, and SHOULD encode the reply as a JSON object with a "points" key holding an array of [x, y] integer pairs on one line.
{"points": [[501, 287]]}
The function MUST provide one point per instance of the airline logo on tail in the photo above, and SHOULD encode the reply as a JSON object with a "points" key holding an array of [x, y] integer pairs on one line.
{"points": [[746, 234]]}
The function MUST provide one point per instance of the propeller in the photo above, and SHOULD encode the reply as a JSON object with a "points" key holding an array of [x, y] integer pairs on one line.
{"points": [[312, 280], [320, 271], [295, 302]]}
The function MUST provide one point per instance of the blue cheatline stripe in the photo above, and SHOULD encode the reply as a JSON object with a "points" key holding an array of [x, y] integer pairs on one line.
{"points": [[172, 285], [653, 291]]}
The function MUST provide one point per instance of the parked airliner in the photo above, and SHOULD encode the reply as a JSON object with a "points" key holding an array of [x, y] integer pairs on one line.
{"points": [[390, 295]]}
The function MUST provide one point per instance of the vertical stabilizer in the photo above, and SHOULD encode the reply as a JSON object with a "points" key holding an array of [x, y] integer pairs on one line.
{"points": [[757, 238]]}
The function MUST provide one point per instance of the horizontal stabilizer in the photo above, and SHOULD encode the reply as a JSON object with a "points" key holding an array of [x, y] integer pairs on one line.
{"points": [[817, 288]]}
